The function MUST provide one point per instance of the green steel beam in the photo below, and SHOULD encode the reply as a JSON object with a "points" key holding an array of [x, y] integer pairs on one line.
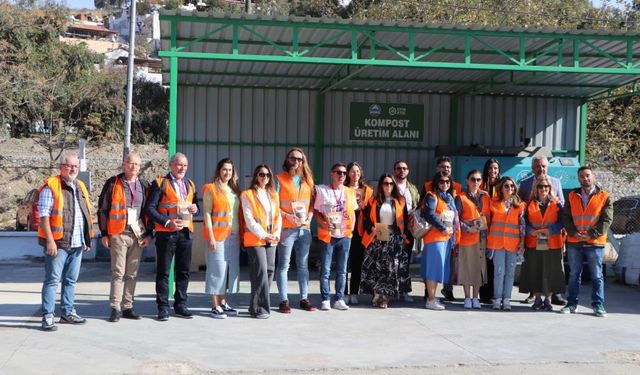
{"points": [[426, 51], [343, 73], [583, 132], [402, 63], [316, 165], [304, 23]]}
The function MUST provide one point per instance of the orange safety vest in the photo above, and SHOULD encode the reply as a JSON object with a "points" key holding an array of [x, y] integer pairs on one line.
{"points": [[260, 215], [368, 193], [117, 219], [56, 220], [221, 215], [504, 230], [538, 221], [289, 193], [324, 234], [457, 188], [588, 217], [168, 205], [367, 237], [434, 234], [470, 212]]}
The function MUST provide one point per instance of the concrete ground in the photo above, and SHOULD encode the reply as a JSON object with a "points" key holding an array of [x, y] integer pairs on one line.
{"points": [[404, 339]]}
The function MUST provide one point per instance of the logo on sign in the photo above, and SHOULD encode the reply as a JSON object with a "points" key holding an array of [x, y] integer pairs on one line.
{"points": [[375, 110]]}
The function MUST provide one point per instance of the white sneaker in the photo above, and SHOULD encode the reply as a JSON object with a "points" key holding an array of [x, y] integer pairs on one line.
{"points": [[497, 303], [506, 305], [406, 298], [325, 305], [467, 303], [340, 305], [434, 305], [354, 299], [475, 303]]}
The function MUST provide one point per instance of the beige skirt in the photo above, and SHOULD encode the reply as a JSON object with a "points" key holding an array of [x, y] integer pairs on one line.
{"points": [[472, 266]]}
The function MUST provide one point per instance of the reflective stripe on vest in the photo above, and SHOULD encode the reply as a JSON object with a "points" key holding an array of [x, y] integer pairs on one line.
{"points": [[538, 221], [350, 202], [168, 205], [221, 214], [470, 212], [588, 217], [117, 219], [504, 230], [56, 220], [260, 215], [289, 193], [367, 237], [434, 234]]}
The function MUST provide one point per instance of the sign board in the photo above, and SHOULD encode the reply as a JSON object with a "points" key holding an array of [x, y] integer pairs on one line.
{"points": [[386, 122]]}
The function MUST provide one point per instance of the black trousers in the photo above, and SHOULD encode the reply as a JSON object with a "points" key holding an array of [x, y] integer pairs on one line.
{"points": [[169, 244], [486, 291], [356, 257], [262, 262]]}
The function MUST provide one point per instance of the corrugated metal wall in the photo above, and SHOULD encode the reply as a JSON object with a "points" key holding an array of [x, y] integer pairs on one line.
{"points": [[254, 126]]}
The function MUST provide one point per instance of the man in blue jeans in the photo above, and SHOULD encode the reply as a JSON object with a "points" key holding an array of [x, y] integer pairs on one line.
{"points": [[65, 232], [335, 210], [586, 216]]}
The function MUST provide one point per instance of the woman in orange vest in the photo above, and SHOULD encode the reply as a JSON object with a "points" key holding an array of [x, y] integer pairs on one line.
{"points": [[542, 268], [439, 210], [221, 202], [357, 181], [505, 239], [384, 235], [260, 235], [490, 179], [473, 211]]}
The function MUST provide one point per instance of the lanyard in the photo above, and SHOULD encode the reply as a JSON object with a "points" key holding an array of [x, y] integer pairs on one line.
{"points": [[339, 206], [132, 190]]}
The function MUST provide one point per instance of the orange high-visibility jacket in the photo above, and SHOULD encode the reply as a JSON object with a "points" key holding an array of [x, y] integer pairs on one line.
{"points": [[168, 204], [260, 215], [289, 193], [504, 229], [221, 214], [367, 237], [587, 217], [471, 212], [56, 219]]}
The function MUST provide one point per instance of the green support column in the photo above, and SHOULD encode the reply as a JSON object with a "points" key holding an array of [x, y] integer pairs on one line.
{"points": [[583, 132], [173, 116]]}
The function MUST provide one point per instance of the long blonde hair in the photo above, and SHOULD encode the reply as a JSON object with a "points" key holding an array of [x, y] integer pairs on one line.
{"points": [[540, 181]]}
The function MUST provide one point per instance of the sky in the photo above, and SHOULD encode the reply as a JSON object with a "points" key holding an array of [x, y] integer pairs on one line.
{"points": [[88, 4]]}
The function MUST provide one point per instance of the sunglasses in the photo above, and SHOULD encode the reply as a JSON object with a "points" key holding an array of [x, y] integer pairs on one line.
{"points": [[402, 168], [264, 174], [293, 158], [340, 173], [544, 186], [444, 182], [509, 186], [388, 183], [475, 179]]}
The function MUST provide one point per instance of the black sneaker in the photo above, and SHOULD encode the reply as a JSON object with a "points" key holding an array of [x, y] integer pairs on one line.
{"points": [[558, 299], [529, 299], [230, 311], [163, 315], [537, 304], [73, 318], [48, 323], [130, 314], [183, 312], [547, 305], [115, 315], [218, 313], [284, 307], [448, 295]]}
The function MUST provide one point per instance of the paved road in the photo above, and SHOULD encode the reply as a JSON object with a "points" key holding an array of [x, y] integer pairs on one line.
{"points": [[405, 339]]}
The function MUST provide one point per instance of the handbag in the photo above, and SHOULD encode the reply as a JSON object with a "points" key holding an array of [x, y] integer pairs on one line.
{"points": [[417, 224]]}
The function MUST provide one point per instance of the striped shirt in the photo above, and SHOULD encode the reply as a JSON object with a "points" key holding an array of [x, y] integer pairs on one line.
{"points": [[45, 203]]}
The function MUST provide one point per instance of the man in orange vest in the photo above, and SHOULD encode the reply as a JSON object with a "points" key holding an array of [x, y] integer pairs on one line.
{"points": [[443, 164], [172, 201], [119, 216], [586, 216], [65, 231]]}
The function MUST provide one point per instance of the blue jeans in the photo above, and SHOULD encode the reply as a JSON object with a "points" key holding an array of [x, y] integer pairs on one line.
{"points": [[504, 269], [341, 247], [65, 268], [300, 240], [593, 256]]}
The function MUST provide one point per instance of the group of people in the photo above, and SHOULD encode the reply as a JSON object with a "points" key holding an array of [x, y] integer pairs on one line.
{"points": [[472, 236]]}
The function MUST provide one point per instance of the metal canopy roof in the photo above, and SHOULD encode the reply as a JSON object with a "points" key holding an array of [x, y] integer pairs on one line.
{"points": [[240, 50]]}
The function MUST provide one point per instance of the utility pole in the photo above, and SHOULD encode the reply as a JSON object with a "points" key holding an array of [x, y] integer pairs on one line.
{"points": [[247, 6], [130, 65]]}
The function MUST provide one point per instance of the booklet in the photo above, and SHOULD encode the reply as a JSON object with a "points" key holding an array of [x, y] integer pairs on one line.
{"points": [[382, 232]]}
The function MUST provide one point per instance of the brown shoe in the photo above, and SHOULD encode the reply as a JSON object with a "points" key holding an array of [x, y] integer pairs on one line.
{"points": [[306, 305], [284, 307]]}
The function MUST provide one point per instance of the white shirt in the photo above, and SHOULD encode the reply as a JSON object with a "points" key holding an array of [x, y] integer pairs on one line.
{"points": [[328, 199], [386, 213], [404, 190], [266, 203]]}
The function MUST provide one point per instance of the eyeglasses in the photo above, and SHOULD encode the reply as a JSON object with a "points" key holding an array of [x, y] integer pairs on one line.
{"points": [[132, 164], [70, 166], [509, 186], [264, 174], [388, 183], [402, 168], [340, 173], [544, 186], [475, 179], [293, 158], [444, 182]]}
